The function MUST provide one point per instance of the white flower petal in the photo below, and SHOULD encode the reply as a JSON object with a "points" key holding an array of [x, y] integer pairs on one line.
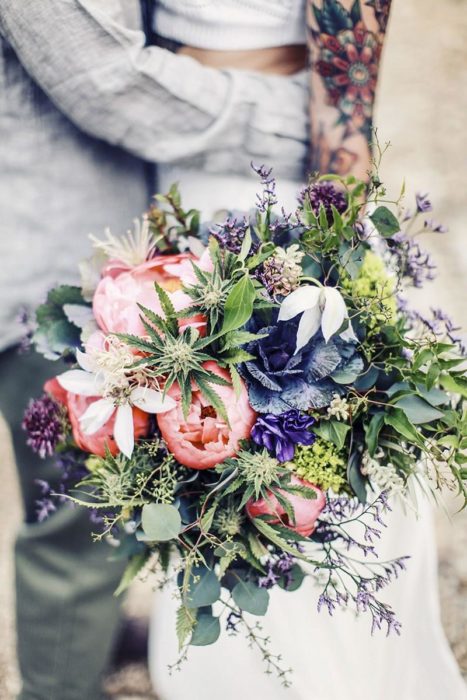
{"points": [[77, 381], [151, 401], [96, 415], [85, 361], [349, 333], [309, 324], [301, 299], [334, 314], [124, 433]]}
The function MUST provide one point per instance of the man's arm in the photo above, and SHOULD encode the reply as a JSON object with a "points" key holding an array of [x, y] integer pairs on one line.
{"points": [[155, 104], [346, 39]]}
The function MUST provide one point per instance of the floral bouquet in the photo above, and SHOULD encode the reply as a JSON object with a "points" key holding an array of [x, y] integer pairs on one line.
{"points": [[243, 396]]}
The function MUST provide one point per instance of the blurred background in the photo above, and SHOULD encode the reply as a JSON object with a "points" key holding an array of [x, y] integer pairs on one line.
{"points": [[422, 112]]}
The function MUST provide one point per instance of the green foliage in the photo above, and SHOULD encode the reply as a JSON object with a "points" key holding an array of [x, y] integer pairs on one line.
{"points": [[204, 588], [250, 598], [161, 522], [133, 568], [206, 631], [385, 222], [55, 335]]}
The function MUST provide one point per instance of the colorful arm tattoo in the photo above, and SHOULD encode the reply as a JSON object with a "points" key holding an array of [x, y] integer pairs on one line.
{"points": [[346, 39]]}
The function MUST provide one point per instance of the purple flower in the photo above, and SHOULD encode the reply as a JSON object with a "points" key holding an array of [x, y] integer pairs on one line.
{"points": [[324, 193], [423, 203], [43, 423], [435, 226], [231, 233], [280, 434]]}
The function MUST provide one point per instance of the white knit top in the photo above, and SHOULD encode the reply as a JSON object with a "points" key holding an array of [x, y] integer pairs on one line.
{"points": [[231, 24]]}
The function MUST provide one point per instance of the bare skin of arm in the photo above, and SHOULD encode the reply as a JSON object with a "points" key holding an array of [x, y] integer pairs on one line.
{"points": [[345, 39]]}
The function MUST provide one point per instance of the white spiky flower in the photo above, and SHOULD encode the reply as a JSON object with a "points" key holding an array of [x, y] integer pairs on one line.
{"points": [[108, 375], [133, 248]]}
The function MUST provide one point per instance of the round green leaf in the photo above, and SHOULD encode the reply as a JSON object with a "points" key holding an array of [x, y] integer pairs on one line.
{"points": [[293, 580], [207, 631], [250, 598], [205, 588], [161, 522]]}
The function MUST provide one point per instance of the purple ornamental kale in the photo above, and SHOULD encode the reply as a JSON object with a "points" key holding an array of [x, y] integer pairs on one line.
{"points": [[324, 193], [280, 434], [42, 421], [280, 379]]}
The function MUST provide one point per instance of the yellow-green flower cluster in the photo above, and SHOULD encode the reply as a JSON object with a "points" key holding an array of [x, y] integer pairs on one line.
{"points": [[373, 292], [320, 463]]}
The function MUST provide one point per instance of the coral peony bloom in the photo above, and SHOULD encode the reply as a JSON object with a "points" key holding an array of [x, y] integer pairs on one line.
{"points": [[203, 439], [104, 437], [120, 290], [306, 510]]}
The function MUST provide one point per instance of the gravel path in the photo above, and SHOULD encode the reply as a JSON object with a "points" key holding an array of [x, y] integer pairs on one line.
{"points": [[422, 113]]}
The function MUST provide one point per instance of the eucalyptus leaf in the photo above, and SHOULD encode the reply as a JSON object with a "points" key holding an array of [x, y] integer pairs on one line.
{"points": [[161, 522], [250, 598], [205, 588], [206, 631]]}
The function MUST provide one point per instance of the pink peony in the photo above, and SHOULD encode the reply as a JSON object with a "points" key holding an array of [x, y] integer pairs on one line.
{"points": [[120, 290], [203, 439], [98, 441], [306, 510]]}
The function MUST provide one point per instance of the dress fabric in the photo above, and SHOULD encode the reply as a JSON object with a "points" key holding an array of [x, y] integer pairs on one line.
{"points": [[332, 658]]}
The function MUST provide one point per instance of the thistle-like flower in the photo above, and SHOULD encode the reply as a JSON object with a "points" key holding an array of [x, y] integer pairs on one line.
{"points": [[134, 248], [43, 421]]}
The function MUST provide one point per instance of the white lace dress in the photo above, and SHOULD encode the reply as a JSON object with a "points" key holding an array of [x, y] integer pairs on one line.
{"points": [[332, 658]]}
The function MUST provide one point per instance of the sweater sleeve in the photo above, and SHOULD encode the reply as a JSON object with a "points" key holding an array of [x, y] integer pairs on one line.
{"points": [[155, 104]]}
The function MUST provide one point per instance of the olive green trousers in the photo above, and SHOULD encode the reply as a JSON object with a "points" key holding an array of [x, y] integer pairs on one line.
{"points": [[67, 616]]}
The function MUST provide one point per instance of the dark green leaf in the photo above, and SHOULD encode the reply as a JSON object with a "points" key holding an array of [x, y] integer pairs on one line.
{"points": [[397, 419], [333, 431], [418, 410], [206, 631], [355, 477], [250, 598], [293, 580], [239, 304], [372, 432], [133, 568], [385, 222], [205, 588]]}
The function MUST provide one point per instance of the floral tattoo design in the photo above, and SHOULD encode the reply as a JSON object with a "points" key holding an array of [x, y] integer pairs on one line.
{"points": [[348, 60], [381, 8]]}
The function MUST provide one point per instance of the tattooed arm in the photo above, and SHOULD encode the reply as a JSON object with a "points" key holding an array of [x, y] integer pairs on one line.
{"points": [[345, 39]]}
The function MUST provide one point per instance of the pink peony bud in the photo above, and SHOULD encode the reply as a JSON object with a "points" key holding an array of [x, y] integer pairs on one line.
{"points": [[204, 439], [306, 510]]}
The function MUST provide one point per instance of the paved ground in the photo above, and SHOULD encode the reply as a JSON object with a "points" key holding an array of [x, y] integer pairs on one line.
{"points": [[422, 112]]}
